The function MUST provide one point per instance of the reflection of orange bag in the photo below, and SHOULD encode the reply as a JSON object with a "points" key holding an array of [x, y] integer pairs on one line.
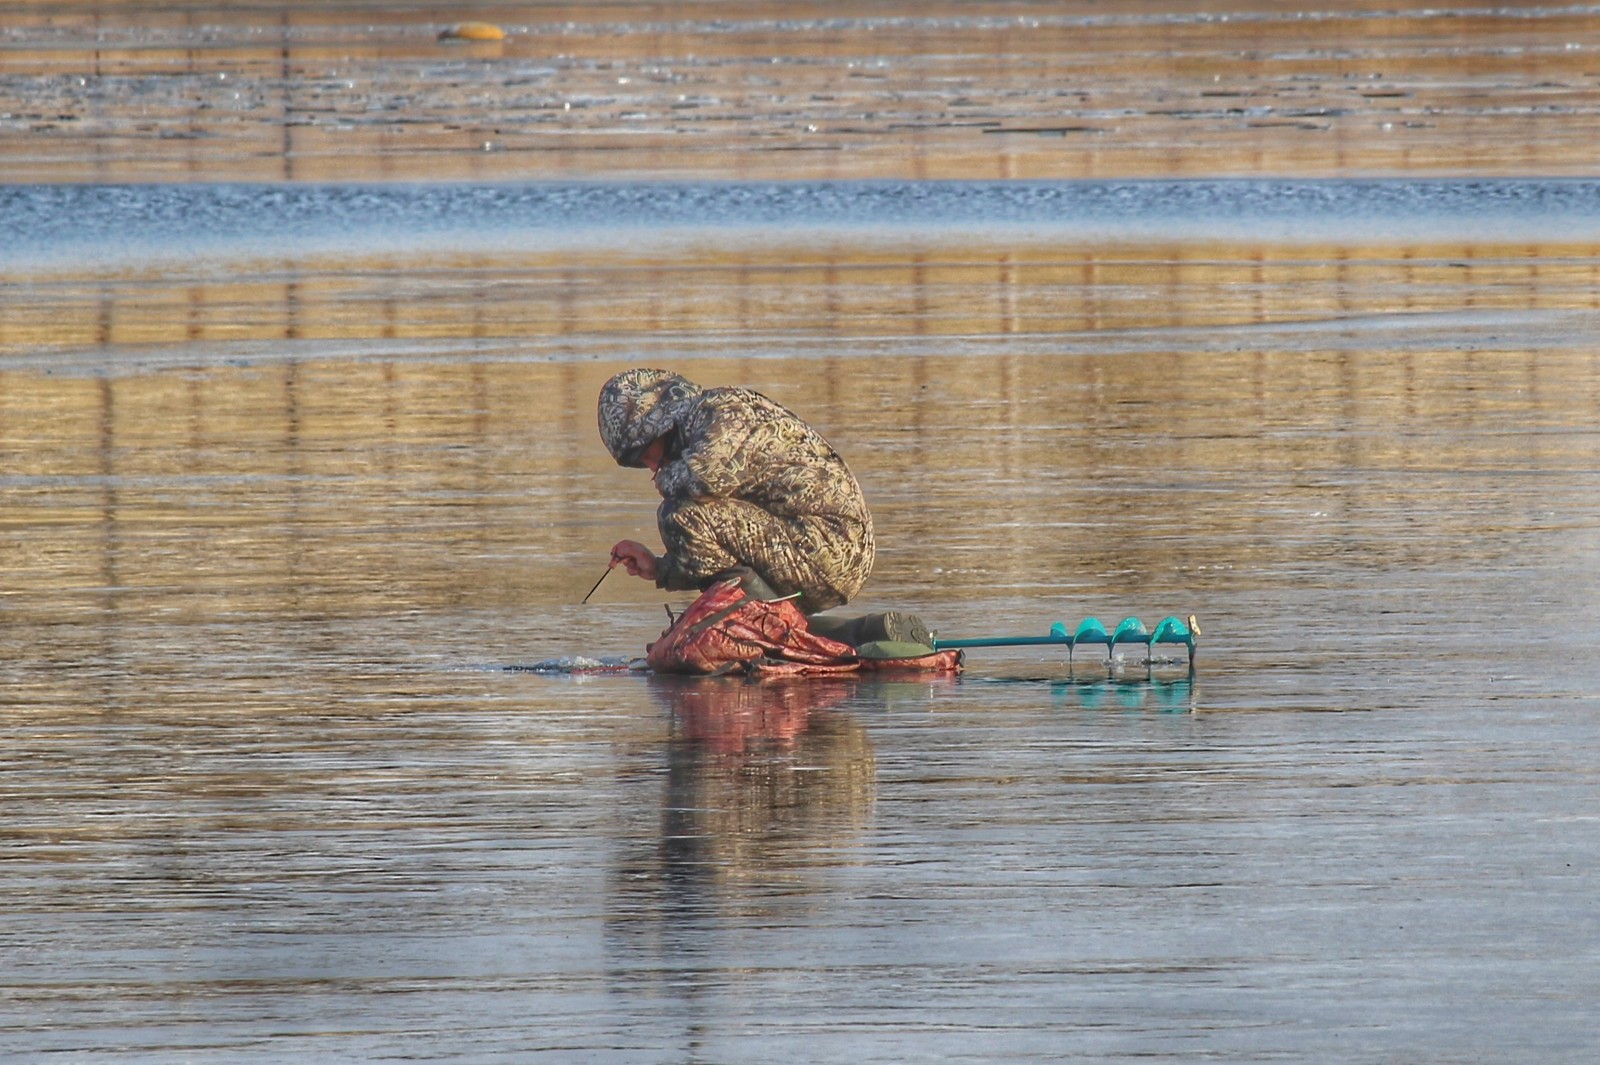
{"points": [[727, 631], [734, 718]]}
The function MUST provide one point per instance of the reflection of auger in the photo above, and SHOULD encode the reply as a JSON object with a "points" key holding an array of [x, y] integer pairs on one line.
{"points": [[1091, 631]]}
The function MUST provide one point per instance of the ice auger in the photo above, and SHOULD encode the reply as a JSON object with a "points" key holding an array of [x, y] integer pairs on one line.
{"points": [[1170, 630]]}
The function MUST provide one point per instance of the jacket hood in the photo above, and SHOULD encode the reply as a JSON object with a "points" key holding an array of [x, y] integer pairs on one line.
{"points": [[638, 407]]}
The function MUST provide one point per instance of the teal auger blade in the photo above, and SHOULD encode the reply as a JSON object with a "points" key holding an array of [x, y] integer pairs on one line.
{"points": [[1091, 630]]}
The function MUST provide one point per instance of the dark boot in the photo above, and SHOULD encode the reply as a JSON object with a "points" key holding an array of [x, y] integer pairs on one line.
{"points": [[889, 627], [752, 583]]}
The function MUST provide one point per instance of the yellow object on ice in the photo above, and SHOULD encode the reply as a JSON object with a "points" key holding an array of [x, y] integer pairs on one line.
{"points": [[473, 31]]}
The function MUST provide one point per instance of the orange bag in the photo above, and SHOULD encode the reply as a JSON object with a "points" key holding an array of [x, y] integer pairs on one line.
{"points": [[727, 631]]}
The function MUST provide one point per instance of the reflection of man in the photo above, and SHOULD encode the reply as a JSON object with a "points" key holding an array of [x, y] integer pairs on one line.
{"points": [[754, 768], [759, 774], [762, 788], [746, 487]]}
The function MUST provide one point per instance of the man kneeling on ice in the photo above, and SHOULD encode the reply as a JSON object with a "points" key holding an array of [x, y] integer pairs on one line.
{"points": [[748, 490]]}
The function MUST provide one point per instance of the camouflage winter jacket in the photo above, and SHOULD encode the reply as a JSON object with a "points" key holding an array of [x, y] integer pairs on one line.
{"points": [[743, 482]]}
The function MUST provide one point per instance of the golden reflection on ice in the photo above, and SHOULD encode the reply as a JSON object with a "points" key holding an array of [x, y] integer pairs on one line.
{"points": [[329, 437], [531, 302]]}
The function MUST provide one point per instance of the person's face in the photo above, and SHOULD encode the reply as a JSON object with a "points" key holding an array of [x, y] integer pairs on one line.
{"points": [[652, 455]]}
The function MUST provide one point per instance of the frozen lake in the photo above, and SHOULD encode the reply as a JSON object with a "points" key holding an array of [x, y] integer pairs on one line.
{"points": [[277, 525], [293, 471]]}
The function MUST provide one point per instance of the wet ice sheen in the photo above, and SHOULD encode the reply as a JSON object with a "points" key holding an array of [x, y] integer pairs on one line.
{"points": [[267, 794], [290, 473], [270, 792], [85, 223]]}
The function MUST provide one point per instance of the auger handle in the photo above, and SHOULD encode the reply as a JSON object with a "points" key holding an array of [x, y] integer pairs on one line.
{"points": [[1002, 641]]}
